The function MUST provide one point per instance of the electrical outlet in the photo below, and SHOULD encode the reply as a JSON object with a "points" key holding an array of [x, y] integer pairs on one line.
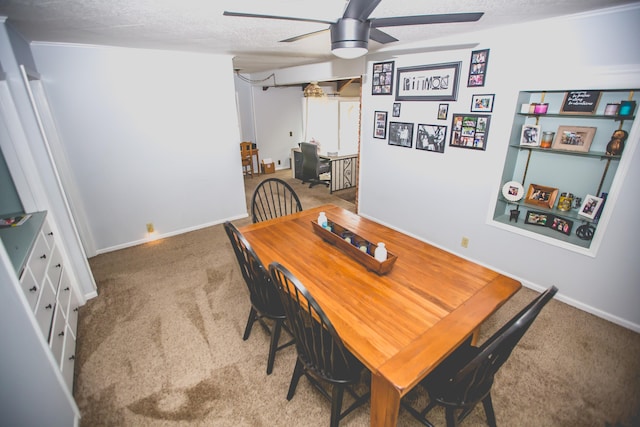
{"points": [[278, 161], [150, 228], [465, 242]]}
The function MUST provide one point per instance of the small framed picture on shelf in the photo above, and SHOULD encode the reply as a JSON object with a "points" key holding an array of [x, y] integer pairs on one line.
{"points": [[541, 195], [380, 125], [590, 206], [482, 103], [537, 218], [562, 225], [580, 102], [530, 135], [513, 191], [574, 138]]}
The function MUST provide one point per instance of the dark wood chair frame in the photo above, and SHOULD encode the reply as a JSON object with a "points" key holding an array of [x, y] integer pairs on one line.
{"points": [[273, 198], [322, 356], [265, 299], [465, 378]]}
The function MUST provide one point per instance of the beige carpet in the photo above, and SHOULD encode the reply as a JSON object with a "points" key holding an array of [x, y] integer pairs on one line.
{"points": [[162, 346]]}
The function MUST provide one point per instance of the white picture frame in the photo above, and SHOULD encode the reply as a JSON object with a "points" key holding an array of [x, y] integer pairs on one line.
{"points": [[590, 206], [530, 135]]}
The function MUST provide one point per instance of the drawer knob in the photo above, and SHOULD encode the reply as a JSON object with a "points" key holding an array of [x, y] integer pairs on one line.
{"points": [[75, 309], [58, 265], [43, 256], [49, 307], [35, 288], [66, 289], [61, 334], [50, 233], [72, 357]]}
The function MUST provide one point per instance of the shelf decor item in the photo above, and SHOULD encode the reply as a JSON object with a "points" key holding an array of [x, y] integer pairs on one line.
{"points": [[547, 139], [574, 138], [382, 81], [580, 102], [513, 191], [562, 225], [616, 145], [627, 108], [541, 196], [530, 135], [611, 109], [537, 218], [541, 108], [590, 206], [437, 82]]}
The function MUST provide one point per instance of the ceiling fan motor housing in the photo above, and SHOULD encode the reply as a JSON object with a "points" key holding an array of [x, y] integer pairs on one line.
{"points": [[350, 33]]}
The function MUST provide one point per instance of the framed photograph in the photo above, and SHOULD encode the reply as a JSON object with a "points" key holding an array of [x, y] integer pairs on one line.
{"points": [[537, 218], [562, 225], [482, 103], [380, 125], [530, 135], [431, 138], [401, 134], [428, 82], [580, 102], [513, 191], [443, 111], [590, 206], [382, 78], [574, 138], [470, 131], [478, 68], [396, 109], [541, 196]]}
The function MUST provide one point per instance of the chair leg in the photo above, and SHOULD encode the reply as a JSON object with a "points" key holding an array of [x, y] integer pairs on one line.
{"points": [[336, 404], [253, 314], [488, 410], [273, 347], [450, 415], [297, 373]]}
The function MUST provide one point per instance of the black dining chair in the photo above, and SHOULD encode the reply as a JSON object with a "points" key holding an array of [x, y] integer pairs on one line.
{"points": [[465, 378], [313, 166], [322, 356], [273, 198], [265, 300]]}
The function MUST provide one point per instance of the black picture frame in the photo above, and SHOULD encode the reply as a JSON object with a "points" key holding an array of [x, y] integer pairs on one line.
{"points": [[443, 111], [438, 82], [482, 103], [396, 109], [380, 124], [581, 102], [541, 219], [562, 225], [470, 131], [431, 137], [382, 78], [478, 68], [401, 134]]}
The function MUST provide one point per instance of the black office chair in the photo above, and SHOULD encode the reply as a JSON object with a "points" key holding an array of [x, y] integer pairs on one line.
{"points": [[273, 198], [322, 356], [313, 166], [464, 379], [265, 299]]}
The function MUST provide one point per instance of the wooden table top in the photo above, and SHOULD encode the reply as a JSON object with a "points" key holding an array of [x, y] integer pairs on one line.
{"points": [[402, 324]]}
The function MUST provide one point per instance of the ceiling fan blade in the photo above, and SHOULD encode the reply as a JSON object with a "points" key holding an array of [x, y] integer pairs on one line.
{"points": [[303, 36], [286, 18], [360, 9], [380, 36], [445, 18]]}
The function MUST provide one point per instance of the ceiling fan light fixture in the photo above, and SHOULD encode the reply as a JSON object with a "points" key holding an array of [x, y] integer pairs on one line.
{"points": [[350, 38]]}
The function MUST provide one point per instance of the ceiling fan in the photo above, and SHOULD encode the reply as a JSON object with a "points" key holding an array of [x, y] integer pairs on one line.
{"points": [[350, 34]]}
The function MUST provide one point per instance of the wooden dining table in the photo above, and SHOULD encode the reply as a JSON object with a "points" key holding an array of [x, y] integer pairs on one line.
{"points": [[401, 324]]}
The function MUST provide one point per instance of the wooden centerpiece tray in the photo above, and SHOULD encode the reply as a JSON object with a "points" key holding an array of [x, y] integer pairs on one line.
{"points": [[357, 247]]}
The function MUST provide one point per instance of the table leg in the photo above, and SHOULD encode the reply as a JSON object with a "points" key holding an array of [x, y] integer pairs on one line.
{"points": [[385, 402]]}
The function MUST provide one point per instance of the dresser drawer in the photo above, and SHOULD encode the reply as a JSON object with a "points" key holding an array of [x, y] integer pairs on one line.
{"points": [[72, 318], [30, 288], [39, 258], [58, 332], [45, 309], [64, 293], [48, 234], [68, 359], [55, 268]]}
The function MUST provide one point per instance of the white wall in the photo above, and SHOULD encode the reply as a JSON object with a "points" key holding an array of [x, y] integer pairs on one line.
{"points": [[149, 137], [442, 197]]}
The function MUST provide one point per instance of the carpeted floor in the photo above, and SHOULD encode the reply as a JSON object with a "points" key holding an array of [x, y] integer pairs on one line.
{"points": [[162, 346]]}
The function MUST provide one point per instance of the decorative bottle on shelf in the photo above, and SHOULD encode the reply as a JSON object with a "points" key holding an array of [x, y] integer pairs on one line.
{"points": [[322, 220], [380, 253]]}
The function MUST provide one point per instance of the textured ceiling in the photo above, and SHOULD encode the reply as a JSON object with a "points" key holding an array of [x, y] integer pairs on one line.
{"points": [[199, 26]]}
